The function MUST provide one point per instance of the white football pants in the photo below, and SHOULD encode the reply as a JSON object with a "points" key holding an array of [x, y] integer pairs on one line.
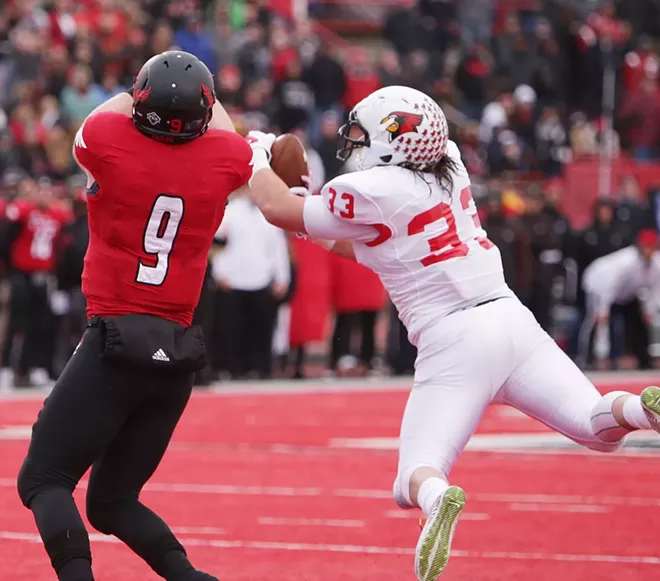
{"points": [[495, 353]]}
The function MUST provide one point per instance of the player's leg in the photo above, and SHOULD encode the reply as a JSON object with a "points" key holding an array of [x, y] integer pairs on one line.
{"points": [[548, 386], [234, 331], [585, 333], [341, 338], [261, 313], [457, 367], [113, 505], [368, 337], [637, 332], [19, 319], [79, 418]]}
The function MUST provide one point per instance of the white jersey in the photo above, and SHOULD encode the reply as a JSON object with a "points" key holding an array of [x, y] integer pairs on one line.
{"points": [[622, 276], [426, 245]]}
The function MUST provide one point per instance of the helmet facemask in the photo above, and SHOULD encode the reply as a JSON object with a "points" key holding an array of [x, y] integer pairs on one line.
{"points": [[345, 143]]}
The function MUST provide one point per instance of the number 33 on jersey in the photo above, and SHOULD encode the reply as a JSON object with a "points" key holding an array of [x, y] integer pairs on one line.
{"points": [[424, 240]]}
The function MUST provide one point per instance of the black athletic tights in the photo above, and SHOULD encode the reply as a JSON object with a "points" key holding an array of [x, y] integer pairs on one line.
{"points": [[120, 423]]}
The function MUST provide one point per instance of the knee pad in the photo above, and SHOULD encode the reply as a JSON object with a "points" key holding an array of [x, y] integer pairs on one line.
{"points": [[35, 477], [603, 423], [67, 546]]}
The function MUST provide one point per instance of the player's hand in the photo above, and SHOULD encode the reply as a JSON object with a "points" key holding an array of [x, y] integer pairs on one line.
{"points": [[259, 140], [279, 290]]}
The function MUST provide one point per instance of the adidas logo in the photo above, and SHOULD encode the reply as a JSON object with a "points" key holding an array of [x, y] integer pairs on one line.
{"points": [[160, 355]]}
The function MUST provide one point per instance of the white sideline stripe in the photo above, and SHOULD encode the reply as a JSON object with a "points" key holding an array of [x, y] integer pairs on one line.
{"points": [[333, 385], [498, 442], [416, 515], [581, 508], [327, 548], [518, 498], [198, 531], [311, 522], [508, 498]]}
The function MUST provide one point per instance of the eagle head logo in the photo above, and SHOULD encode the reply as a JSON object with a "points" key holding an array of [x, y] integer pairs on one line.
{"points": [[400, 122]]}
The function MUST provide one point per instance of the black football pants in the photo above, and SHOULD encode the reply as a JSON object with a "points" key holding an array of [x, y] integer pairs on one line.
{"points": [[637, 331], [29, 339], [346, 324], [119, 422], [248, 321]]}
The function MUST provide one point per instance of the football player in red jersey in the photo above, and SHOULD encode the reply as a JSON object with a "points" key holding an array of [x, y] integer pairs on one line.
{"points": [[160, 170], [28, 236]]}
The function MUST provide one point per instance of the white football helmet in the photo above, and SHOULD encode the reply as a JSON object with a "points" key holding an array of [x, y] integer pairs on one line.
{"points": [[401, 126]]}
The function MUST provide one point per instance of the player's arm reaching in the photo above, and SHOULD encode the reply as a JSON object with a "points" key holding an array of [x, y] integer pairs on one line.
{"points": [[321, 217], [123, 103]]}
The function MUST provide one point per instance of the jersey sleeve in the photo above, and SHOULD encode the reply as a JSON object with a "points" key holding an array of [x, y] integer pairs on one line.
{"points": [[341, 212], [242, 159], [90, 141]]}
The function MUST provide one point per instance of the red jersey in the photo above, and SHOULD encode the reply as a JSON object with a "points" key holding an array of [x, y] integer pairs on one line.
{"points": [[33, 249], [153, 212]]}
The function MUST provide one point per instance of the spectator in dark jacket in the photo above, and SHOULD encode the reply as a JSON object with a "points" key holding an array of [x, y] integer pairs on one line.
{"points": [[327, 80], [294, 100]]}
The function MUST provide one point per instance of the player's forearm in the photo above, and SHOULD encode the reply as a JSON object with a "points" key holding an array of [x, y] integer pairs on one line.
{"points": [[221, 119], [122, 103], [279, 206]]}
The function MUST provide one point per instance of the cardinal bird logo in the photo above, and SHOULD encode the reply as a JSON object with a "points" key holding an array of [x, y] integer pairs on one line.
{"points": [[141, 94], [400, 122], [208, 95]]}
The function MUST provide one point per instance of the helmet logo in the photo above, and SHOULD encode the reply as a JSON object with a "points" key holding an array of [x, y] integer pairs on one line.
{"points": [[400, 122], [153, 118], [141, 94], [208, 95]]}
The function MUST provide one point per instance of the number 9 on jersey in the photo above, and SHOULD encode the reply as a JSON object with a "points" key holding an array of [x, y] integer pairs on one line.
{"points": [[159, 236]]}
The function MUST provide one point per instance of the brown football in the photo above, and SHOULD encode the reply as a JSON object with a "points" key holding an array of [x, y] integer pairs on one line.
{"points": [[289, 160]]}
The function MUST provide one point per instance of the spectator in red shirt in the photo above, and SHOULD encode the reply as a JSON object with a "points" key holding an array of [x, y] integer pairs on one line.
{"points": [[641, 114], [640, 63], [361, 77]]}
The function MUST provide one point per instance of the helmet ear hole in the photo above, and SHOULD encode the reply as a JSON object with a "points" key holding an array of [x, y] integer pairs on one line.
{"points": [[386, 158]]}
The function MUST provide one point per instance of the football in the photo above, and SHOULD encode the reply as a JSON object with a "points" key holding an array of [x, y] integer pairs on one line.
{"points": [[289, 160]]}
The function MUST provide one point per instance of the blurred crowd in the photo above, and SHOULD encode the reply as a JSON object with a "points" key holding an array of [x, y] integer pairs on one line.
{"points": [[528, 86]]}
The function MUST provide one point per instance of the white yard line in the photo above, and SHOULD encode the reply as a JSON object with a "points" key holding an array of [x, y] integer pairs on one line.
{"points": [[580, 508], [366, 493], [371, 550], [310, 522]]}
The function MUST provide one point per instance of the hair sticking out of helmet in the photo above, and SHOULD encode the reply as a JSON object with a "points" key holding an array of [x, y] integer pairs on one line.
{"points": [[444, 171]]}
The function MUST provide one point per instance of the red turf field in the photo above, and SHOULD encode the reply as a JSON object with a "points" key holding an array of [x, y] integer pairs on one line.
{"points": [[259, 486]]}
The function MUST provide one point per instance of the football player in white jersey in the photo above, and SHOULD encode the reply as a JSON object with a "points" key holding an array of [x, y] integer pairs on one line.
{"points": [[408, 214]]}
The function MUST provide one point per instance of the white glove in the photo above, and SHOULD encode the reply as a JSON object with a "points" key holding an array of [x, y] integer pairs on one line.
{"points": [[302, 191], [261, 141]]}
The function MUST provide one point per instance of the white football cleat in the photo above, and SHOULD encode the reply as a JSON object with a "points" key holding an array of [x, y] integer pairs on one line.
{"points": [[434, 545], [651, 403]]}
